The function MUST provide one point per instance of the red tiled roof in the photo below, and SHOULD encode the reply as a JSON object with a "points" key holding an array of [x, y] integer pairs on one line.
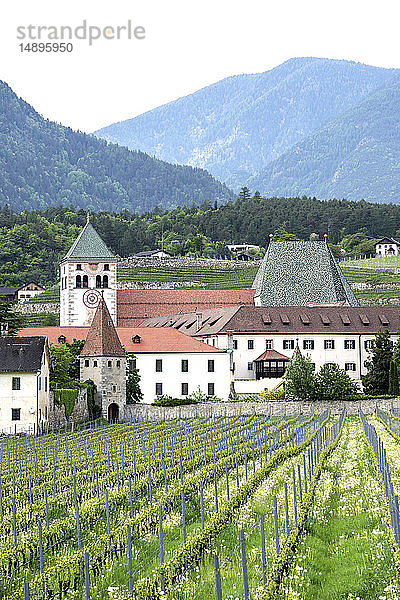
{"points": [[152, 339], [271, 355], [102, 338], [136, 305]]}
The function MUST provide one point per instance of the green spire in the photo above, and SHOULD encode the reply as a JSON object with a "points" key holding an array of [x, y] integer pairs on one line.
{"points": [[89, 246]]}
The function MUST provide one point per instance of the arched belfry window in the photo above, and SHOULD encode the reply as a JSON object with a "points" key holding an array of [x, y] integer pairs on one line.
{"points": [[78, 281], [98, 281], [105, 281], [85, 281]]}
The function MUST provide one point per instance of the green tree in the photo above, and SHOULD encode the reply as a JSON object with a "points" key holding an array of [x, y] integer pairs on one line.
{"points": [[10, 321], [133, 392], [280, 234], [300, 378], [333, 383], [393, 379], [244, 194], [65, 365], [376, 381]]}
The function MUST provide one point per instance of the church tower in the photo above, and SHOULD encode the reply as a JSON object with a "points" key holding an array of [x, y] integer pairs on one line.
{"points": [[103, 360], [88, 272]]}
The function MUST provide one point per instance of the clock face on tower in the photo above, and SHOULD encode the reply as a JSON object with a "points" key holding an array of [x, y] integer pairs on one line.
{"points": [[91, 298]]}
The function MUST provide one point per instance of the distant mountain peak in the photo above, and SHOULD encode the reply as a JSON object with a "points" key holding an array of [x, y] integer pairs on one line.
{"points": [[239, 126]]}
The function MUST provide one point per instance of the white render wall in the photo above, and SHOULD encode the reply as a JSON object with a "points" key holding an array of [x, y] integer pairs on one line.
{"points": [[73, 311], [172, 376], [387, 249], [34, 403], [339, 355]]}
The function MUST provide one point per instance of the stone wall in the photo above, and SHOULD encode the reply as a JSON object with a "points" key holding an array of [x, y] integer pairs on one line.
{"points": [[80, 412], [157, 285], [144, 411], [183, 261], [28, 308]]}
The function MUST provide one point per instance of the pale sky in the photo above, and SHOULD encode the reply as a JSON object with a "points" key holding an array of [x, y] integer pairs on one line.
{"points": [[188, 45]]}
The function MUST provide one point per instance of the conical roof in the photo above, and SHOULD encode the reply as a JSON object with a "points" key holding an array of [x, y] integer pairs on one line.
{"points": [[89, 246], [102, 338], [297, 273]]}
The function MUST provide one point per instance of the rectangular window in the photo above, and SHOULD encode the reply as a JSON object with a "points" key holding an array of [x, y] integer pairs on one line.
{"points": [[40, 384], [158, 365], [235, 344], [106, 267], [349, 366], [308, 344], [250, 344], [95, 363], [349, 344], [45, 384], [118, 364], [288, 344], [329, 344], [210, 389], [269, 344], [16, 383], [109, 364], [368, 344], [79, 267], [184, 365], [211, 366], [15, 414], [250, 366], [132, 363], [87, 363], [184, 389], [158, 389]]}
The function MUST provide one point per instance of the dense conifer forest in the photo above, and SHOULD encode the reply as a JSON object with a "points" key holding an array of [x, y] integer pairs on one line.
{"points": [[32, 242]]}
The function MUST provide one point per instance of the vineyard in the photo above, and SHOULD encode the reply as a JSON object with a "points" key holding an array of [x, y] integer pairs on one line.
{"points": [[225, 507], [203, 277]]}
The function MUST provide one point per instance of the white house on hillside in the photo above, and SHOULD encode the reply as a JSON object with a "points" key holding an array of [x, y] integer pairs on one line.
{"points": [[387, 247]]}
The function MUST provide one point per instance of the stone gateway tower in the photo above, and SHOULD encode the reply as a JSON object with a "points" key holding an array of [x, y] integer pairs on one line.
{"points": [[103, 360], [88, 272]]}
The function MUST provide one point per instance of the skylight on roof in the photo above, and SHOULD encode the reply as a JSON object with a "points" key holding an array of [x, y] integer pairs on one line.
{"points": [[267, 319], [325, 319], [383, 319], [364, 319], [305, 319], [285, 319], [211, 323], [345, 319]]}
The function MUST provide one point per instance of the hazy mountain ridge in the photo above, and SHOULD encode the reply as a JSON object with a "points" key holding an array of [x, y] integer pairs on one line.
{"points": [[43, 164], [356, 154], [237, 126]]}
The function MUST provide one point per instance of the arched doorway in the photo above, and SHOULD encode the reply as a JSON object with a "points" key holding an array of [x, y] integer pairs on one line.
{"points": [[113, 412]]}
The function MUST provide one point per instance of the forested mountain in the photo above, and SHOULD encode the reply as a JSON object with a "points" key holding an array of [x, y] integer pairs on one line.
{"points": [[356, 155], [45, 164], [32, 243], [239, 125]]}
